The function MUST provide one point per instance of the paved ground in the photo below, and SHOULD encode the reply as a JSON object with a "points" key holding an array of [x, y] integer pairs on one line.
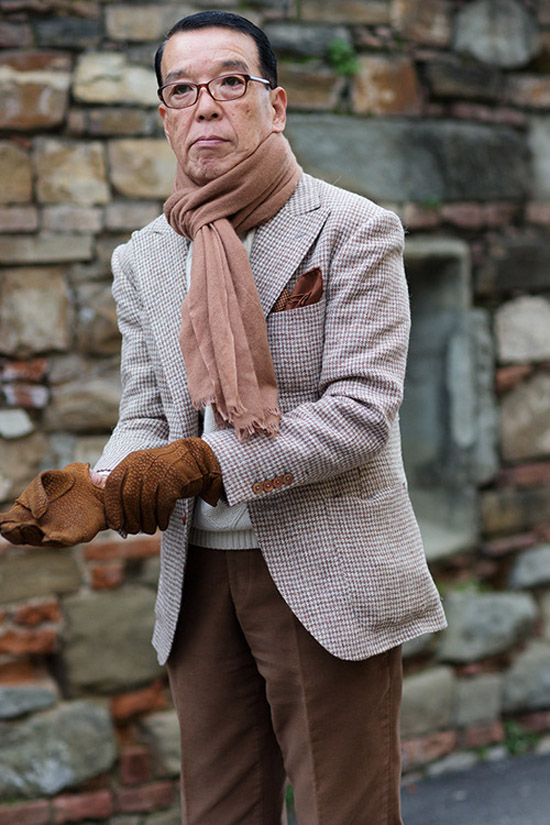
{"points": [[514, 791]]}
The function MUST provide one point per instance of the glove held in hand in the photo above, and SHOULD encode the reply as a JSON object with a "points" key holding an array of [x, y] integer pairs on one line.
{"points": [[58, 508], [142, 490]]}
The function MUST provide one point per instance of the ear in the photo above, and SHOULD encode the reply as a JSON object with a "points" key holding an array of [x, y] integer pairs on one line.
{"points": [[163, 112], [278, 104]]}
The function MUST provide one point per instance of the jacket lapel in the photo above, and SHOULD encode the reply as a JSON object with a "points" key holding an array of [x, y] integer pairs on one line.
{"points": [[281, 244]]}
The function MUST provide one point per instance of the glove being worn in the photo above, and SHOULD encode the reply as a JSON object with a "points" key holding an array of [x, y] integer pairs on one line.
{"points": [[59, 508], [142, 490]]}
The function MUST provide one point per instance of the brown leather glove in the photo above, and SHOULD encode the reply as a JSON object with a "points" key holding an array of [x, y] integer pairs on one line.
{"points": [[142, 490], [59, 508]]}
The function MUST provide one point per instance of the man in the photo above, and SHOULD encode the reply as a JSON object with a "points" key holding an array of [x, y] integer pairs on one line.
{"points": [[265, 323]]}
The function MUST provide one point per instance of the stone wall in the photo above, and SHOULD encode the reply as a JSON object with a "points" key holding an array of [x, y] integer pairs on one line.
{"points": [[438, 109]]}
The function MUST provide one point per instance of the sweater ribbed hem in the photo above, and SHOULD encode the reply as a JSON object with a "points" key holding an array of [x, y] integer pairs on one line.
{"points": [[223, 539]]}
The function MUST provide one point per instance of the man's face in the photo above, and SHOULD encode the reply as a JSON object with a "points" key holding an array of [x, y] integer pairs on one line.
{"points": [[211, 137]]}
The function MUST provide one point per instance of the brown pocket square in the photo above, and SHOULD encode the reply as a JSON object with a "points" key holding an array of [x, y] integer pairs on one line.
{"points": [[307, 290]]}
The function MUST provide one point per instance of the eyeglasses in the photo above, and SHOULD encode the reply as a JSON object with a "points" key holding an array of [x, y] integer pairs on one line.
{"points": [[180, 94]]}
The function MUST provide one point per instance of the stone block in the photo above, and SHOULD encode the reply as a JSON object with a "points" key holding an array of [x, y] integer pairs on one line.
{"points": [[126, 618], [97, 331], [316, 88], [54, 750], [69, 33], [110, 120], [71, 218], [538, 213], [70, 172], [17, 700], [386, 86], [142, 168], [15, 219], [515, 264], [160, 731], [85, 405], [545, 611], [392, 160], [356, 12], [127, 216], [539, 144], [527, 683], [498, 32], [15, 35], [524, 422], [483, 625], [15, 173], [531, 91], [35, 573], [151, 24], [305, 39], [45, 248], [107, 77], [35, 311], [478, 700], [508, 510], [34, 90], [15, 424], [423, 21], [428, 699], [452, 77], [531, 568], [521, 327]]}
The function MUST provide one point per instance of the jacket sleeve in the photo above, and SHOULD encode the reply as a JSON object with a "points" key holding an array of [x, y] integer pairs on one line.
{"points": [[141, 423], [364, 354]]}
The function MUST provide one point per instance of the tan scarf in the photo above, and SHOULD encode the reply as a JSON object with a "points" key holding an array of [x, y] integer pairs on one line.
{"points": [[223, 335]]}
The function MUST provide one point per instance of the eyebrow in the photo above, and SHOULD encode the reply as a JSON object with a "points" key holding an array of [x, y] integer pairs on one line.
{"points": [[178, 74]]}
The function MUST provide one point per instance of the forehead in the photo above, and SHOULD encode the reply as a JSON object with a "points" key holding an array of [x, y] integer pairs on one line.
{"points": [[191, 52]]}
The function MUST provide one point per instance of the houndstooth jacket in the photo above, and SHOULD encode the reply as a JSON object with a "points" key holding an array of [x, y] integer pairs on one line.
{"points": [[328, 496]]}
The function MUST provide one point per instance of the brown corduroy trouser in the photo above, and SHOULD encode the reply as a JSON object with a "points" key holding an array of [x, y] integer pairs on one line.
{"points": [[259, 700]]}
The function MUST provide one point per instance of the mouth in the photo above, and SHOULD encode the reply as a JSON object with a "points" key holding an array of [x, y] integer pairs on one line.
{"points": [[208, 141]]}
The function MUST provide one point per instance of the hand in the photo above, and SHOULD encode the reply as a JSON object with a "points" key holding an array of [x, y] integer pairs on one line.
{"points": [[59, 508], [142, 490]]}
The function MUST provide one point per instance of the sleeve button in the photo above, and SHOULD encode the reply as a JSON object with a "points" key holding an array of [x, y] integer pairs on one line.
{"points": [[277, 482], [268, 486], [257, 488], [288, 478]]}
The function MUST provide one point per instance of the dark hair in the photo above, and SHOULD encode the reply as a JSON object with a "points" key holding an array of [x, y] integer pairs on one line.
{"points": [[227, 20]]}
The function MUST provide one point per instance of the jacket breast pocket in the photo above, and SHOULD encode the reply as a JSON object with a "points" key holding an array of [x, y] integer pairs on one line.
{"points": [[296, 338]]}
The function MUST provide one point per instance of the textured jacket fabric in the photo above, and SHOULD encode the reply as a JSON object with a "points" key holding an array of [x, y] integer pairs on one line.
{"points": [[328, 496]]}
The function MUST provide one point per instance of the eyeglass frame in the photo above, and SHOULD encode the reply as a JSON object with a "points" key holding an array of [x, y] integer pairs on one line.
{"points": [[199, 86]]}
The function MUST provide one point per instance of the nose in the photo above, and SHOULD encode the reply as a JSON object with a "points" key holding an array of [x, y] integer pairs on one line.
{"points": [[206, 108]]}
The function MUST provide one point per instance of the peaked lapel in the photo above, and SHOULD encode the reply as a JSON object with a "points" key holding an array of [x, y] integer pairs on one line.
{"points": [[281, 244]]}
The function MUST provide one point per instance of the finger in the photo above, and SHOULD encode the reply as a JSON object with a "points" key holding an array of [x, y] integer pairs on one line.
{"points": [[113, 499]]}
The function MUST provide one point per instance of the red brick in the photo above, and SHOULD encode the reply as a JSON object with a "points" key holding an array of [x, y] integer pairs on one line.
{"points": [[150, 698], [135, 765], [34, 370], [526, 475], [486, 114], [465, 215], [133, 548], [538, 212], [13, 673], [76, 807], [28, 396], [499, 214], [416, 216], [15, 643], [506, 378], [538, 722], [146, 797], [438, 745], [481, 735], [15, 36], [509, 544], [32, 615], [26, 813], [108, 576]]}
